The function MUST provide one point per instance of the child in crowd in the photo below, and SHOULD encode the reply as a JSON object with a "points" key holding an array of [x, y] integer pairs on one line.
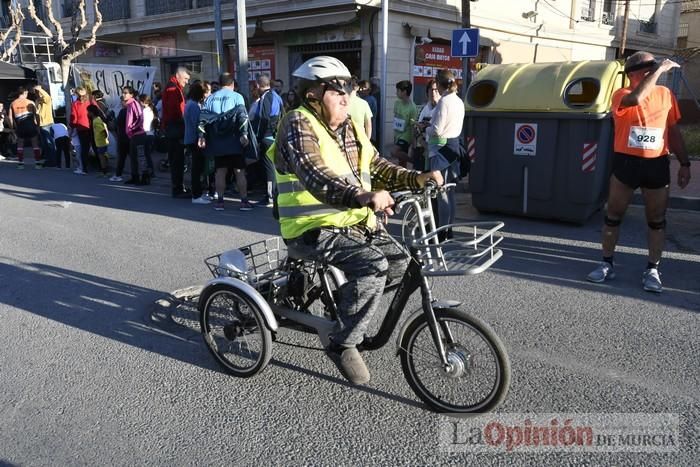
{"points": [[405, 115], [61, 140], [150, 124], [99, 130]]}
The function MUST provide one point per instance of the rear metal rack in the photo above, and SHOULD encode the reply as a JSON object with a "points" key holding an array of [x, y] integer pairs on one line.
{"points": [[264, 261]]}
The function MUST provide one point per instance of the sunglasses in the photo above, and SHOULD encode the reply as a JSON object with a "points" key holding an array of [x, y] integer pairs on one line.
{"points": [[342, 87], [641, 66]]}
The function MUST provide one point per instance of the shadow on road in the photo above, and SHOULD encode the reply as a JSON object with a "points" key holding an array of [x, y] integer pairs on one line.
{"points": [[113, 310], [58, 186], [562, 254]]}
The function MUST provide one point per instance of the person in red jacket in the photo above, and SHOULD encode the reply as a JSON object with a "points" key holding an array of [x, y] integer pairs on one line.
{"points": [[173, 124], [80, 123]]}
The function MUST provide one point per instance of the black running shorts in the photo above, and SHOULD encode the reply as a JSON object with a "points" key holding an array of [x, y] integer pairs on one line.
{"points": [[231, 161], [638, 172], [26, 128]]}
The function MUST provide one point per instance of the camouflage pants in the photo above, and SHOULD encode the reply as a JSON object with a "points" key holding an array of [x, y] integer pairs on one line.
{"points": [[368, 265]]}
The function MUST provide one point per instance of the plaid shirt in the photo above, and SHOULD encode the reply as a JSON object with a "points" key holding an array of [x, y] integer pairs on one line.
{"points": [[298, 146]]}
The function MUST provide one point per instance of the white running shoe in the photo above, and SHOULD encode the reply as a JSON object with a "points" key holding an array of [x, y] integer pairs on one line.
{"points": [[115, 178], [651, 281], [79, 172], [200, 200]]}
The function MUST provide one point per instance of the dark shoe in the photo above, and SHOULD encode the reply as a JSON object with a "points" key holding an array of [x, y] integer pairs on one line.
{"points": [[245, 206], [133, 181], [145, 179], [350, 363]]}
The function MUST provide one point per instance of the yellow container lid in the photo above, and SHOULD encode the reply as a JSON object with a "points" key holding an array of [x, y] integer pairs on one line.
{"points": [[572, 87]]}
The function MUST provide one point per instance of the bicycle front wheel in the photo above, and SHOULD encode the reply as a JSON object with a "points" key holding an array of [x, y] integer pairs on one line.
{"points": [[234, 330], [477, 377]]}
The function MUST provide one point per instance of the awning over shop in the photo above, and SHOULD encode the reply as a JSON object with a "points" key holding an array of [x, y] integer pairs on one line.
{"points": [[308, 21], [10, 71], [207, 34]]}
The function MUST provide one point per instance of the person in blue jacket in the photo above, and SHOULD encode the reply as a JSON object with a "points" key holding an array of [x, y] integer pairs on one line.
{"points": [[227, 147]]}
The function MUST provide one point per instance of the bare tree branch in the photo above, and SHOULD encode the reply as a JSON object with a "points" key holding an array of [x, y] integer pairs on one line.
{"points": [[78, 22], [33, 15], [10, 28], [48, 6], [17, 17], [93, 32]]}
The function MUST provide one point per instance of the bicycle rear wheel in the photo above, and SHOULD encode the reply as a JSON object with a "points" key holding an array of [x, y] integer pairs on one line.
{"points": [[234, 330], [478, 375]]}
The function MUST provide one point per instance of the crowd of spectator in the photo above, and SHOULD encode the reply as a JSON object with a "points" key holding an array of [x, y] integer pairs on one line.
{"points": [[206, 128]]}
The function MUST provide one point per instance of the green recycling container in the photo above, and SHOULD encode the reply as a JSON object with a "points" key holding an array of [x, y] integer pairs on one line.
{"points": [[540, 137]]}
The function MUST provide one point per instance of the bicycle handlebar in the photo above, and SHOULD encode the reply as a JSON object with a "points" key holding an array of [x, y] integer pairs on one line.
{"points": [[430, 189]]}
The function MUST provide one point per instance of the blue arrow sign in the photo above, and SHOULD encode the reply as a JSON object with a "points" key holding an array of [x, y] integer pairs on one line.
{"points": [[465, 42]]}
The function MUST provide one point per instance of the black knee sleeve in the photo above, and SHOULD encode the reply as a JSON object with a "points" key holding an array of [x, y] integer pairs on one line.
{"points": [[657, 225], [612, 222]]}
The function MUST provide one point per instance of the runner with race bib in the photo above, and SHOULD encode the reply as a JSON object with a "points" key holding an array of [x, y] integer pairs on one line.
{"points": [[646, 132]]}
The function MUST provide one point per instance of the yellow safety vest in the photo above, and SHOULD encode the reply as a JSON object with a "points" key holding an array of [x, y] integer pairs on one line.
{"points": [[299, 210]]}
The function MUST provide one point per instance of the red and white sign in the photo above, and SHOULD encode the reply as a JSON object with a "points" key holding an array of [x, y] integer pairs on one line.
{"points": [[589, 156], [430, 58], [471, 148]]}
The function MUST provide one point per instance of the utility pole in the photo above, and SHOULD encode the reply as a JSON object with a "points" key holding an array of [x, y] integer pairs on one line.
{"points": [[623, 39], [385, 49], [466, 23], [219, 37], [242, 49]]}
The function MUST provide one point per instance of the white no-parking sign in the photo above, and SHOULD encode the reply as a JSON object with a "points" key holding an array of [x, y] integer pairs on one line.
{"points": [[525, 139]]}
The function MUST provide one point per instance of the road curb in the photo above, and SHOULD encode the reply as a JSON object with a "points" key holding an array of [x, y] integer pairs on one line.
{"points": [[687, 203]]}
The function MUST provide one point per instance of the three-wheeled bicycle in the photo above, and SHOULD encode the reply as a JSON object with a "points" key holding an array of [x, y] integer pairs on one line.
{"points": [[451, 359]]}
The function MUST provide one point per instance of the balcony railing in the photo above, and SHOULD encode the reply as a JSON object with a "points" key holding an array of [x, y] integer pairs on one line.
{"points": [[206, 3], [158, 7], [115, 9]]}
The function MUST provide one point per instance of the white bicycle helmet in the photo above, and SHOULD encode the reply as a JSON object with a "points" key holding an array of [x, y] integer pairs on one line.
{"points": [[232, 261], [322, 68], [326, 70]]}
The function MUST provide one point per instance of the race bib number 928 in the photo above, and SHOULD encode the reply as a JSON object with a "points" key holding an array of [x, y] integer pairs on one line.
{"points": [[641, 137]]}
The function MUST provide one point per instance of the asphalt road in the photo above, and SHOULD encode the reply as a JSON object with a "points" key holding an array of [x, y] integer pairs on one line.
{"points": [[91, 375]]}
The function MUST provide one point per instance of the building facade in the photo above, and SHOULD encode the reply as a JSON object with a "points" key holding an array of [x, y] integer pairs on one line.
{"points": [[281, 34], [688, 55]]}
